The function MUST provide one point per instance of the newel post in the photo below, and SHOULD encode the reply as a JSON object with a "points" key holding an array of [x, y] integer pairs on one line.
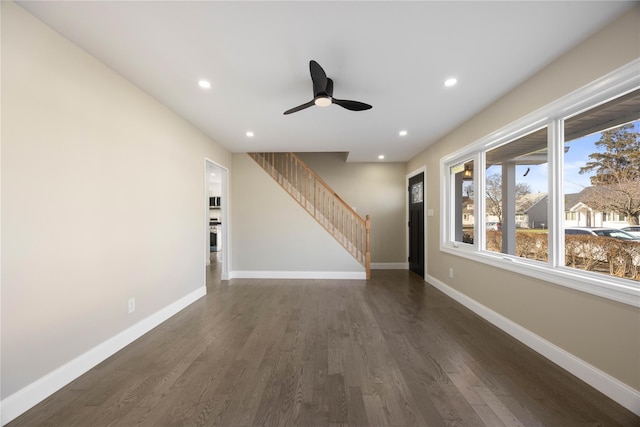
{"points": [[368, 253]]}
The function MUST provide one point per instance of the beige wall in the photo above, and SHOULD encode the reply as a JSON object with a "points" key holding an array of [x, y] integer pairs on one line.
{"points": [[601, 332], [103, 199], [271, 232], [376, 189]]}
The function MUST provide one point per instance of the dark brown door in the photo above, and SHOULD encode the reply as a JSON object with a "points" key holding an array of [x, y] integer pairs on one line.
{"points": [[416, 224]]}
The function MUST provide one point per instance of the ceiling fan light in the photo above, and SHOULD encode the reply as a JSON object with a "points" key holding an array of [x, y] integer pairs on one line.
{"points": [[322, 101]]}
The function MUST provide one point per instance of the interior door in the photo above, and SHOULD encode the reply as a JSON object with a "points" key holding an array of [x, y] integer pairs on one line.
{"points": [[416, 224]]}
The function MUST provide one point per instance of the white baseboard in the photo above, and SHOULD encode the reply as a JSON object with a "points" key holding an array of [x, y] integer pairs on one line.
{"points": [[24, 399], [345, 275], [389, 265], [601, 381]]}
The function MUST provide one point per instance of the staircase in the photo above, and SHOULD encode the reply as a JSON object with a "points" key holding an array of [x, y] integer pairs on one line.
{"points": [[321, 202]]}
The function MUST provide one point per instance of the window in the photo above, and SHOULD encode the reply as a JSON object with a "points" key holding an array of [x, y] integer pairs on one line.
{"points": [[515, 179], [462, 182], [533, 192], [602, 181]]}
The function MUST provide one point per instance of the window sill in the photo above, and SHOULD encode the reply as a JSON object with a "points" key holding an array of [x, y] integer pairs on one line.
{"points": [[613, 288]]}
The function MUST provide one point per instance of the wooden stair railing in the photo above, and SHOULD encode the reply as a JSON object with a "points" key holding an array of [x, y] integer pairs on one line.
{"points": [[321, 202]]}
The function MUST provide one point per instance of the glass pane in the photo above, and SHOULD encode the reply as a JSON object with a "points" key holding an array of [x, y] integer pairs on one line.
{"points": [[516, 197], [462, 176], [602, 188], [416, 193]]}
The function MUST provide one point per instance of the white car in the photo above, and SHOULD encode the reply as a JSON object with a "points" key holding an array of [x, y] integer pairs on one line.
{"points": [[633, 230], [602, 232]]}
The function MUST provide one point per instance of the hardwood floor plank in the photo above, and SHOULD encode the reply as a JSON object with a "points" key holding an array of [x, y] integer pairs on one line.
{"points": [[374, 409], [337, 399], [459, 405], [468, 391], [246, 399], [209, 413], [493, 402], [266, 413], [355, 408], [488, 417], [426, 406], [391, 351], [320, 397]]}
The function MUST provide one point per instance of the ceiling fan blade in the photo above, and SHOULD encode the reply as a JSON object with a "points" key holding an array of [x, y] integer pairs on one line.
{"points": [[300, 107], [319, 78], [329, 88], [351, 105]]}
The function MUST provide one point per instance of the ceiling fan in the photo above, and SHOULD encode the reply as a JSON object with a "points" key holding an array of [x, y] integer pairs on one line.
{"points": [[323, 93]]}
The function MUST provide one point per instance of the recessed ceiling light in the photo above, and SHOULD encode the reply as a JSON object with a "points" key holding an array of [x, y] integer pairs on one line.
{"points": [[381, 156], [204, 84], [450, 82], [402, 133], [249, 134]]}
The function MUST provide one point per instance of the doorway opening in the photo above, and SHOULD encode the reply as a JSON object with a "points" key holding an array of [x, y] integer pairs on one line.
{"points": [[216, 220]]}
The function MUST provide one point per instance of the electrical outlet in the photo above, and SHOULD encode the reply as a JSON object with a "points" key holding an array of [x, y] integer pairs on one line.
{"points": [[132, 305], [451, 273]]}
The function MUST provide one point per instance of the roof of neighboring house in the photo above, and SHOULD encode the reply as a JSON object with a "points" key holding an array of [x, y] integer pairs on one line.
{"points": [[525, 202], [542, 198], [572, 200]]}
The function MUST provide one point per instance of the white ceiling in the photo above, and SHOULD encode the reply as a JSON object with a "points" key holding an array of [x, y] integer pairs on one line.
{"points": [[393, 55]]}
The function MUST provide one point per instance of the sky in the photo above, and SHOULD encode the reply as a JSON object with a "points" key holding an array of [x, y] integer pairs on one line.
{"points": [[574, 159]]}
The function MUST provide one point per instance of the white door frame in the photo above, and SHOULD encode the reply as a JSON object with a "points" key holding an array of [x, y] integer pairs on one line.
{"points": [[225, 219]]}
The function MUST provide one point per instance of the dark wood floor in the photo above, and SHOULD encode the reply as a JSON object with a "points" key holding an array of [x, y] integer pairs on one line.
{"points": [[390, 352]]}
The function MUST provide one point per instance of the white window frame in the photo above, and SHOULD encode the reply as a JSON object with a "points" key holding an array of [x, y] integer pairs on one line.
{"points": [[451, 205], [613, 85]]}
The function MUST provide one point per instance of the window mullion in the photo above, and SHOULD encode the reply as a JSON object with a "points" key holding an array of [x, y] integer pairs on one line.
{"points": [[480, 209], [556, 192]]}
